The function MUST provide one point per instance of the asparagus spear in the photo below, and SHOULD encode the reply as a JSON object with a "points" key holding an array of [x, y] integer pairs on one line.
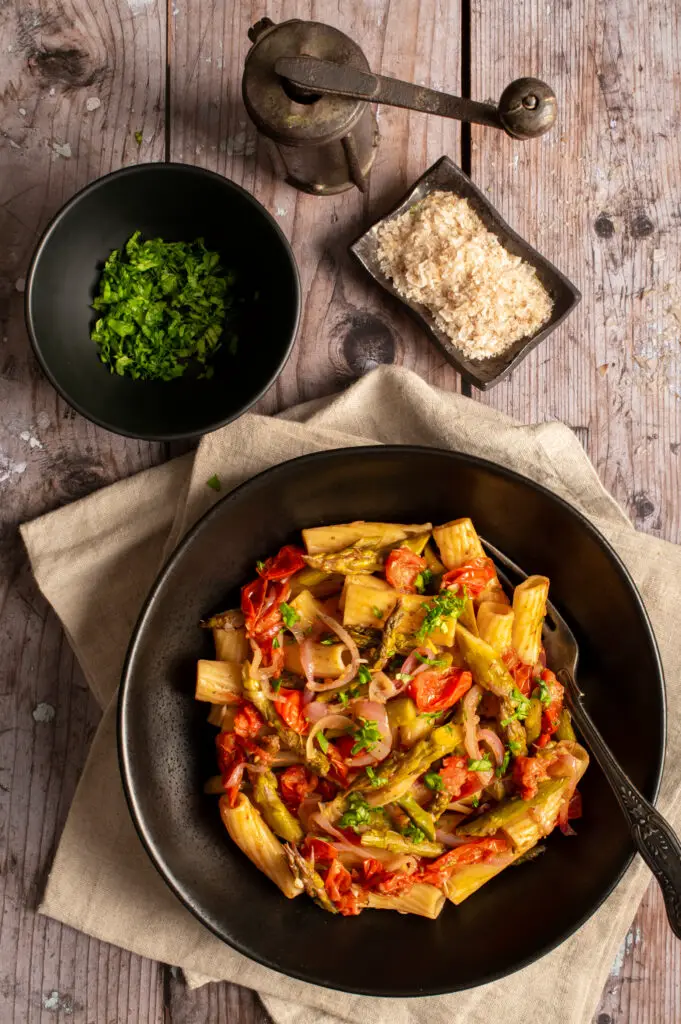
{"points": [[422, 819], [360, 557], [253, 691], [406, 768], [311, 879], [565, 730], [395, 843], [274, 810], [388, 644], [490, 672], [510, 811], [533, 720]]}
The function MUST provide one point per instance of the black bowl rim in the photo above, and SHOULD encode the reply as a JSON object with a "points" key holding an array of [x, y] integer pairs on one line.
{"points": [[421, 315], [155, 854], [61, 214]]}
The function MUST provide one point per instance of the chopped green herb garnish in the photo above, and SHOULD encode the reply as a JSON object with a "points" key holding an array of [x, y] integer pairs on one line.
{"points": [[328, 641], [422, 580], [275, 643], [542, 692], [430, 716], [343, 698], [162, 308], [139, 138], [404, 677], [288, 614], [445, 605], [214, 482], [260, 566], [366, 736], [323, 742], [374, 779], [377, 612], [432, 662], [358, 813], [363, 674], [276, 683], [475, 802], [503, 767], [522, 708], [515, 747], [414, 833], [433, 781], [482, 764]]}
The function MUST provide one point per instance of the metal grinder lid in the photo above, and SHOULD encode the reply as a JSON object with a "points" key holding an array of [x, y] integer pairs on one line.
{"points": [[273, 111]]}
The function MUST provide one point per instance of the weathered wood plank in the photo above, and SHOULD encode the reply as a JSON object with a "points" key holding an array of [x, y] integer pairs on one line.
{"points": [[347, 327], [76, 82], [599, 196]]}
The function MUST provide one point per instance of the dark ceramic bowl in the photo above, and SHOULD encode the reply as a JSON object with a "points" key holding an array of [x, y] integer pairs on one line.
{"points": [[175, 202], [167, 750], [445, 176]]}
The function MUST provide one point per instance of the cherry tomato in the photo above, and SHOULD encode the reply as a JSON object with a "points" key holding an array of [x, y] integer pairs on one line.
{"points": [[338, 883], [438, 871], [454, 773], [528, 772], [575, 805], [401, 569], [437, 691], [551, 714], [473, 575], [295, 783], [248, 721], [284, 564], [322, 851], [289, 704]]}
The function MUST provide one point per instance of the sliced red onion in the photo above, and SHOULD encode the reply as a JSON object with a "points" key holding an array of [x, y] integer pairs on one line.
{"points": [[351, 670], [391, 861], [471, 720], [320, 819], [306, 662], [308, 807], [235, 776], [566, 766], [315, 710], [449, 840], [327, 722], [493, 742], [372, 711]]}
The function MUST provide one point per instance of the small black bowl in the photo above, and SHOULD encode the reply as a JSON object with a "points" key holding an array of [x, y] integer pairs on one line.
{"points": [[445, 176], [167, 749], [175, 202]]}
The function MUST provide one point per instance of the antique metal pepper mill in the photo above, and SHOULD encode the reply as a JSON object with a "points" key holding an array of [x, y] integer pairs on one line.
{"points": [[307, 88]]}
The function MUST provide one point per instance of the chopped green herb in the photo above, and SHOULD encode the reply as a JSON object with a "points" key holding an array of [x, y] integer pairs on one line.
{"points": [[432, 662], [414, 833], [329, 641], [366, 736], [343, 698], [275, 643], [475, 802], [260, 566], [377, 612], [542, 692], [404, 677], [358, 813], [423, 579], [139, 138], [482, 764], [363, 674], [288, 614], [162, 308], [433, 781], [515, 747], [323, 742], [374, 779], [276, 683], [214, 482], [445, 605], [430, 716], [522, 708], [503, 767]]}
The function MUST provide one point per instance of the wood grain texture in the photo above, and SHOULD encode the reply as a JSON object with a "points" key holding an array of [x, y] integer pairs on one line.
{"points": [[347, 326], [77, 80], [600, 196]]}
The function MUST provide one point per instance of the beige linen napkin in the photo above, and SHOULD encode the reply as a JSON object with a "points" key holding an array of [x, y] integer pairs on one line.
{"points": [[95, 560]]}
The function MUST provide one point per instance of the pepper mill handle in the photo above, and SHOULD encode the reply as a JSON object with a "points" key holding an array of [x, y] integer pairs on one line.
{"points": [[527, 108]]}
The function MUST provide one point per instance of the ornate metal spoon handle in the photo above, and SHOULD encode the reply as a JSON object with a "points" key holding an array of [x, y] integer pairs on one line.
{"points": [[653, 837]]}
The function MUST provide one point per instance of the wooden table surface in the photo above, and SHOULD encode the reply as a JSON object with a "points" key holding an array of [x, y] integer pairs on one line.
{"points": [[87, 86]]}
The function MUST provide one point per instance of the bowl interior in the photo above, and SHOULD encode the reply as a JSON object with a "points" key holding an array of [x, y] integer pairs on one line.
{"points": [[483, 373], [175, 203], [167, 749]]}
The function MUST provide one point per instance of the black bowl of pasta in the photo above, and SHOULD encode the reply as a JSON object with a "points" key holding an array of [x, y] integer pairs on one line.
{"points": [[397, 741]]}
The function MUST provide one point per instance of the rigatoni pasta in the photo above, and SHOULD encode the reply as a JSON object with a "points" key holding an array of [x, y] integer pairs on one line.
{"points": [[390, 737]]}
